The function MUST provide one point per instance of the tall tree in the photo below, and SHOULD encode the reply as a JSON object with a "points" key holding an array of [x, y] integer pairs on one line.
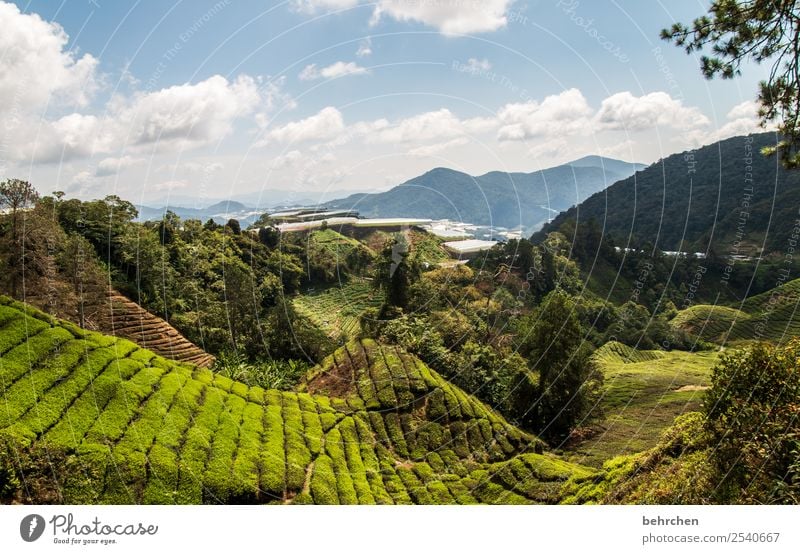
{"points": [[16, 195], [397, 271], [761, 31], [568, 380]]}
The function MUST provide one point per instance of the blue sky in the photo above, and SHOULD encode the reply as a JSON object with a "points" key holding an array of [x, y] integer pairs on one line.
{"points": [[202, 100]]}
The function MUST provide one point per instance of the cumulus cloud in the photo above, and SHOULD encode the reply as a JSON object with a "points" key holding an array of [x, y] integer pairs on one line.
{"points": [[624, 111], [433, 149], [325, 124], [559, 114], [182, 116], [338, 69], [449, 16], [112, 166], [189, 114], [35, 67], [434, 125], [742, 119], [72, 136]]}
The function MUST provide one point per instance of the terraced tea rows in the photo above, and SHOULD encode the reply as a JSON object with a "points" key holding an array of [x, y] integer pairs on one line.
{"points": [[771, 316], [124, 318], [372, 425], [337, 310]]}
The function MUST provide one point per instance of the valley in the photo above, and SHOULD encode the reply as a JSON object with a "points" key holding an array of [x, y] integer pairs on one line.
{"points": [[320, 355]]}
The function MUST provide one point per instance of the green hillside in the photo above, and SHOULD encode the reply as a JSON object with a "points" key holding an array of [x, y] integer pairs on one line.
{"points": [[770, 316], [644, 391], [336, 309], [93, 419], [700, 199]]}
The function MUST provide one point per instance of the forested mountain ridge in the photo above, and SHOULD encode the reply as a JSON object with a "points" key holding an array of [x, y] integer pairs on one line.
{"points": [[725, 198]]}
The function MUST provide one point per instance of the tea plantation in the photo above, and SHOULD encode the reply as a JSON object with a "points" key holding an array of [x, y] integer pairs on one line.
{"points": [[337, 310], [87, 418]]}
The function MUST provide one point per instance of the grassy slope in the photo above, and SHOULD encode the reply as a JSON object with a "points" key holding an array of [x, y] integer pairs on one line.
{"points": [[773, 316], [87, 418], [644, 392]]}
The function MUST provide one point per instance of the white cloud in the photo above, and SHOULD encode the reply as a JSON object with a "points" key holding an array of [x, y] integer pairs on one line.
{"points": [[559, 114], [434, 125], [80, 178], [624, 111], [449, 16], [338, 69], [742, 119], [274, 98], [169, 185], [35, 67], [433, 149], [311, 6], [42, 81], [112, 166], [72, 136], [425, 126], [358, 130], [182, 116], [325, 124], [746, 110], [189, 115], [290, 159], [364, 48]]}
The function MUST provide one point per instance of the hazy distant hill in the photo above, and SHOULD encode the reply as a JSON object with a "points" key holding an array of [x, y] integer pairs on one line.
{"points": [[496, 198], [695, 199], [220, 212]]}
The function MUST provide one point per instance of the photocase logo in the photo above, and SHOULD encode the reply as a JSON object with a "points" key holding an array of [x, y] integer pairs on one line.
{"points": [[31, 527]]}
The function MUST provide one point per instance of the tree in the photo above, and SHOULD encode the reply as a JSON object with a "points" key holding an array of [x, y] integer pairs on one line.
{"points": [[568, 380], [761, 31], [16, 195], [397, 272], [234, 226], [78, 265]]}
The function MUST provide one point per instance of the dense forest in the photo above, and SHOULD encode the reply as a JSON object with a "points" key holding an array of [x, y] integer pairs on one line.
{"points": [[722, 199]]}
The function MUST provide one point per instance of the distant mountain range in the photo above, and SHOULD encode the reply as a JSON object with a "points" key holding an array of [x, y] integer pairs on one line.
{"points": [[246, 207], [500, 199], [727, 197], [219, 212]]}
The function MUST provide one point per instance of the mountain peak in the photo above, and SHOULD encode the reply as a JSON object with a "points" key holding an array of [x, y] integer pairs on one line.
{"points": [[609, 164]]}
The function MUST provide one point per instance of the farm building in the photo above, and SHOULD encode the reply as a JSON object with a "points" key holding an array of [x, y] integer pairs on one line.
{"points": [[349, 225], [310, 214], [468, 248]]}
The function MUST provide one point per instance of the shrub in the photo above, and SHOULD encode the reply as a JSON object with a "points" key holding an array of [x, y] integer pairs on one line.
{"points": [[752, 410]]}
